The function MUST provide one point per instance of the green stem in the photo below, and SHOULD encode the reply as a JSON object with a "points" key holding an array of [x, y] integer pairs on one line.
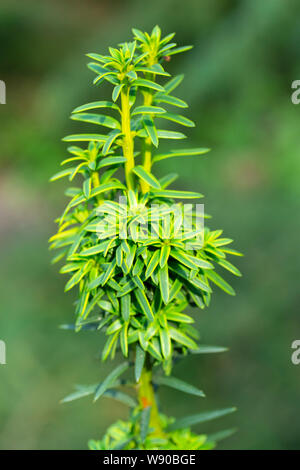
{"points": [[147, 146], [147, 398], [96, 183], [147, 162], [95, 179], [127, 138]]}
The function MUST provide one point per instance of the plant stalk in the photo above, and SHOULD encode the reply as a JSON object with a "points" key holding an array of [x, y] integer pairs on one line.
{"points": [[147, 147], [127, 138], [147, 398], [96, 183]]}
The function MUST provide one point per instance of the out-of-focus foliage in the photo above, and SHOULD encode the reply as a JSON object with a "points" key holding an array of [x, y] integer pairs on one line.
{"points": [[127, 435], [238, 82]]}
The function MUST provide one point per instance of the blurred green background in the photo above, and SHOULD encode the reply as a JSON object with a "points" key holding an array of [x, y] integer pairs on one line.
{"points": [[238, 84]]}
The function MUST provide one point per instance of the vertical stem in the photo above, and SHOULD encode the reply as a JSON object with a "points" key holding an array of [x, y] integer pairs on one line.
{"points": [[147, 154], [96, 183], [95, 179], [127, 138], [146, 398]]}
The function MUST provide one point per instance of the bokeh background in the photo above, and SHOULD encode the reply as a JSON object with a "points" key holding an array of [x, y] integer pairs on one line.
{"points": [[238, 83]]}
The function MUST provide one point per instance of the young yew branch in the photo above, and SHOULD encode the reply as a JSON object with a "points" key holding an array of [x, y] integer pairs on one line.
{"points": [[133, 288]]}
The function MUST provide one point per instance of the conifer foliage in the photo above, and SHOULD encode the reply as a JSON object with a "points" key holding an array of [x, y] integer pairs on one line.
{"points": [[135, 250]]}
